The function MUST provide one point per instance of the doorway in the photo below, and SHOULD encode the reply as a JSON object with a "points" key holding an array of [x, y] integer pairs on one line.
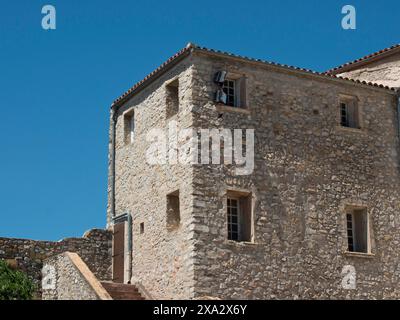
{"points": [[118, 262]]}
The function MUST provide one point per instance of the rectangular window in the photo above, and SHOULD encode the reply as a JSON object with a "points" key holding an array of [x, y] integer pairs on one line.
{"points": [[349, 114], [357, 230], [173, 211], [129, 127], [350, 238], [239, 219], [233, 219], [172, 98], [229, 88], [234, 90]]}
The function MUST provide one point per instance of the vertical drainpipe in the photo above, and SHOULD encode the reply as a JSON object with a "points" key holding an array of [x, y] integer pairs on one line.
{"points": [[398, 112], [112, 156], [129, 247]]}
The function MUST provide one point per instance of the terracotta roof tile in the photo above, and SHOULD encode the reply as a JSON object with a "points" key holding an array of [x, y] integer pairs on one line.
{"points": [[153, 73], [363, 59], [190, 46]]}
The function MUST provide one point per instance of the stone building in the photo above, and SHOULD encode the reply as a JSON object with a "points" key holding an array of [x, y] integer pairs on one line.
{"points": [[317, 216], [237, 178]]}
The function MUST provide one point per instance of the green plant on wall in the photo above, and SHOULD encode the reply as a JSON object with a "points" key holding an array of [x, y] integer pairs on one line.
{"points": [[14, 284]]}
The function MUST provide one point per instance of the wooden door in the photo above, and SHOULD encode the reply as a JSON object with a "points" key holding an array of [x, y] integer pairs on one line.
{"points": [[118, 252]]}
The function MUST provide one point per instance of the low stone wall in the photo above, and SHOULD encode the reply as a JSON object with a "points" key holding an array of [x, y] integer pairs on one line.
{"points": [[28, 255]]}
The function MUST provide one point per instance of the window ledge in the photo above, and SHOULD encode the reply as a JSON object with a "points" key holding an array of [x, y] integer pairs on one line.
{"points": [[351, 130], [224, 108], [240, 243], [359, 254]]}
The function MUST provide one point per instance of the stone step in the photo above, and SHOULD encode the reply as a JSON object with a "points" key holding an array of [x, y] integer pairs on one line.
{"points": [[126, 296], [121, 291]]}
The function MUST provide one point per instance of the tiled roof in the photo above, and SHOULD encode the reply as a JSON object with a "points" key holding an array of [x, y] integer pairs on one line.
{"points": [[190, 46], [172, 59], [372, 56]]}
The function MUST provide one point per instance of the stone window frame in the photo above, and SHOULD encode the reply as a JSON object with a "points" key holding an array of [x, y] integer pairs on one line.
{"points": [[237, 194], [241, 101], [346, 98], [345, 207]]}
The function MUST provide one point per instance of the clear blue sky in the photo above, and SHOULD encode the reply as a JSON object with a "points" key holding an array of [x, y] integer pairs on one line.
{"points": [[56, 87]]}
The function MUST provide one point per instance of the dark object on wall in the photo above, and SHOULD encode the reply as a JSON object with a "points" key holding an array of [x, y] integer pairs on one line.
{"points": [[219, 77], [220, 96]]}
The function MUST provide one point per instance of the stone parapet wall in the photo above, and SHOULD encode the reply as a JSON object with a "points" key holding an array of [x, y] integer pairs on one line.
{"points": [[28, 255]]}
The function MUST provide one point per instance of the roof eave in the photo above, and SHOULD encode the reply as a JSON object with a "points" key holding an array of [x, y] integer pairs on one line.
{"points": [[190, 48], [298, 70], [167, 65]]}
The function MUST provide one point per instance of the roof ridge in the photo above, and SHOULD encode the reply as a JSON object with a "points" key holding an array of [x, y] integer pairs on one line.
{"points": [[365, 58]]}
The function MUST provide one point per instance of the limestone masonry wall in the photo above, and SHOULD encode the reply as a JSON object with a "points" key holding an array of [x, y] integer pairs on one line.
{"points": [[28, 255], [161, 258], [307, 170], [69, 283]]}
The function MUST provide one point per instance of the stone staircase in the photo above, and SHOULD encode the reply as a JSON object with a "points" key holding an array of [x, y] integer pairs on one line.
{"points": [[120, 291]]}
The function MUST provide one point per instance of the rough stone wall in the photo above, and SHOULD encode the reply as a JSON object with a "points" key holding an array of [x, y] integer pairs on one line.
{"points": [[161, 258], [94, 248], [68, 282], [385, 71], [307, 168]]}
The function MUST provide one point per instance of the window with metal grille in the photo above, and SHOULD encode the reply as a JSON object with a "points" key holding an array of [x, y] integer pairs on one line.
{"points": [[350, 238], [229, 87], [349, 116], [233, 219], [239, 217], [357, 230]]}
